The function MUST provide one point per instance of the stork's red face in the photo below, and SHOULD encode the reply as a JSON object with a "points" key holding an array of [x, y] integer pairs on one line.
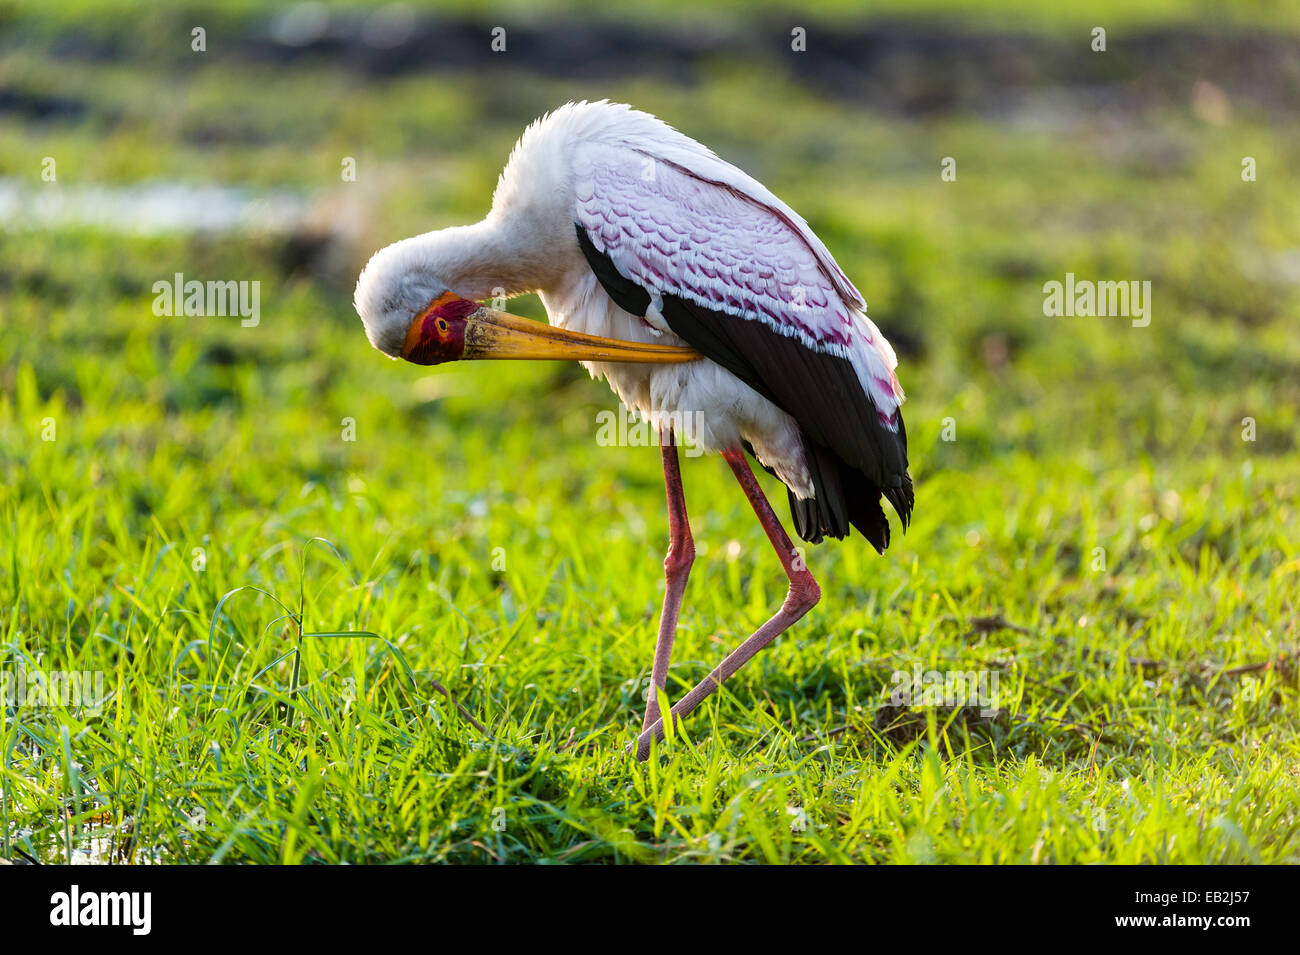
{"points": [[437, 334], [452, 328]]}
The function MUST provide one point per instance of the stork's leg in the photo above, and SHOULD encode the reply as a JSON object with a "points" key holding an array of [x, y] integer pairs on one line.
{"points": [[802, 596], [677, 568]]}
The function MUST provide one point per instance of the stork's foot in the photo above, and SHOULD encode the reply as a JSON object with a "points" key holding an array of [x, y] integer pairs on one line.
{"points": [[677, 570], [802, 597]]}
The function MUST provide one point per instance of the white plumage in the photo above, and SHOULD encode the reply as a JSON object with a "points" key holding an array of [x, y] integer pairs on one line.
{"points": [[672, 217]]}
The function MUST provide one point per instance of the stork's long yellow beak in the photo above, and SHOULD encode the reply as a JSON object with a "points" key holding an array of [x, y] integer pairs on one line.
{"points": [[493, 334], [455, 329]]}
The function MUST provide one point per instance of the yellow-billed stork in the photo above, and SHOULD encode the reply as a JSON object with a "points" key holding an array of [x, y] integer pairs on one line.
{"points": [[698, 295]]}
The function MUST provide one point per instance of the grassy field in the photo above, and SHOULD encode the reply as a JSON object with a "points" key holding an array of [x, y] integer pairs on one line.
{"points": [[1106, 515]]}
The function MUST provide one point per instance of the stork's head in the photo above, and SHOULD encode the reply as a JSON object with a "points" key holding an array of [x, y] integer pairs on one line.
{"points": [[396, 293], [410, 313]]}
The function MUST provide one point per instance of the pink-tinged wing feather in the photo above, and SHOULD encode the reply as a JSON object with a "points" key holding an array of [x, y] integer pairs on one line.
{"points": [[712, 242]]}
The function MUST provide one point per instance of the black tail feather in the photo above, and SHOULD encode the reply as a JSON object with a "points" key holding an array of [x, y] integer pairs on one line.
{"points": [[843, 497]]}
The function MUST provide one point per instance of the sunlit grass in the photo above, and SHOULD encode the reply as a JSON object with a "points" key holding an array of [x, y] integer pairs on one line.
{"points": [[1097, 495]]}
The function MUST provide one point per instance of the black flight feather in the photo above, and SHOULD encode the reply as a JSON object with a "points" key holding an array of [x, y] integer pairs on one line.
{"points": [[852, 458]]}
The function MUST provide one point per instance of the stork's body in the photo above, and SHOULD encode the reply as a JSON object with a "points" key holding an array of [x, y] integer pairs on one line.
{"points": [[641, 237]]}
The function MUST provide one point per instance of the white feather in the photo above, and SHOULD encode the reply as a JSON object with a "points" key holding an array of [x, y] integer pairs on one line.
{"points": [[676, 219]]}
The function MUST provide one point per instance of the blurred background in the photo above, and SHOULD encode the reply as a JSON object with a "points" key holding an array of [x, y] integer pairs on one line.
{"points": [[192, 455], [126, 156]]}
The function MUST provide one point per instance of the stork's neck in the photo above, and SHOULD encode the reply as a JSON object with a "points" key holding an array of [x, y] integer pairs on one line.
{"points": [[481, 261]]}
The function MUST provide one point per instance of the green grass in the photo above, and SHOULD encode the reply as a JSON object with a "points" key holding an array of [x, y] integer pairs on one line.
{"points": [[1003, 14], [483, 540]]}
